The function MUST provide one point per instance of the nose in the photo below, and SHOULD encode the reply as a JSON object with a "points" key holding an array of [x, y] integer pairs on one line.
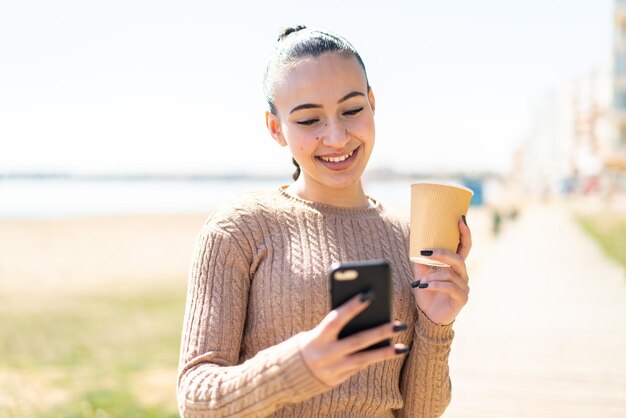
{"points": [[336, 135]]}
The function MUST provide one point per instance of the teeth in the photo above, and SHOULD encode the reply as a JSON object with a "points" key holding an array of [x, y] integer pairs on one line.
{"points": [[337, 159]]}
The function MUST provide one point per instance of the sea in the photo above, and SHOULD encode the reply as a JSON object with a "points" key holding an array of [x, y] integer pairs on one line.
{"points": [[67, 197]]}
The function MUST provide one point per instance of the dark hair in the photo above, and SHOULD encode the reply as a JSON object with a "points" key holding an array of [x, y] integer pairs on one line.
{"points": [[295, 43], [296, 173]]}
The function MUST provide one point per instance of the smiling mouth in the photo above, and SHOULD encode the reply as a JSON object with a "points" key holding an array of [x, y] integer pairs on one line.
{"points": [[336, 159], [339, 162]]}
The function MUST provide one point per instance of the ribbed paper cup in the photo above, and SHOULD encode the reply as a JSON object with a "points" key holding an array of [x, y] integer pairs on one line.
{"points": [[436, 209]]}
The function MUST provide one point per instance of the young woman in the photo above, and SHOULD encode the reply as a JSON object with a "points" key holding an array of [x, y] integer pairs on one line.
{"points": [[258, 340]]}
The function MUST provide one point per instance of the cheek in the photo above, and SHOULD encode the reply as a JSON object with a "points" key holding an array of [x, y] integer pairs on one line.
{"points": [[365, 130], [302, 144]]}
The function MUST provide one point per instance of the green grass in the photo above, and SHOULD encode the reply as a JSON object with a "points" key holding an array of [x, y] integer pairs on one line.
{"points": [[91, 356], [107, 403], [609, 230]]}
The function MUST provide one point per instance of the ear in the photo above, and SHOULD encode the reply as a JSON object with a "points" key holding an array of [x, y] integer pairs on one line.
{"points": [[372, 100], [273, 126]]}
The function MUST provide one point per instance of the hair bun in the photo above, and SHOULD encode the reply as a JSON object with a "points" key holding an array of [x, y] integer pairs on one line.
{"points": [[285, 32]]}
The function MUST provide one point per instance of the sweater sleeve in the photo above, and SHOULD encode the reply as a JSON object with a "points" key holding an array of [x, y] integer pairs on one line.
{"points": [[425, 379], [211, 383]]}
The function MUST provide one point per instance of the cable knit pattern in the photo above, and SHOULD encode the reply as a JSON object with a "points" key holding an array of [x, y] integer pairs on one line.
{"points": [[258, 279]]}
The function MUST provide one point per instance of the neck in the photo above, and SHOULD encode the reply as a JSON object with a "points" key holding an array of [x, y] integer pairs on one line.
{"points": [[352, 196]]}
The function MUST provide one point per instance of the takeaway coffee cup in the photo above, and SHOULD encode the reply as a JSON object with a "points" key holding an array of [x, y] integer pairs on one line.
{"points": [[436, 209]]}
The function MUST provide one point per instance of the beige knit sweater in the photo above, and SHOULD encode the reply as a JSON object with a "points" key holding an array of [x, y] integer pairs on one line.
{"points": [[259, 278]]}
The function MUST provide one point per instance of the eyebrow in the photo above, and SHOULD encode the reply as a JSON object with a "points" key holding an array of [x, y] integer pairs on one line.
{"points": [[317, 106], [349, 96]]}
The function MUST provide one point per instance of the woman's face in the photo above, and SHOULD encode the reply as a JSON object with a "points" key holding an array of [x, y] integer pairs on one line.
{"points": [[325, 115]]}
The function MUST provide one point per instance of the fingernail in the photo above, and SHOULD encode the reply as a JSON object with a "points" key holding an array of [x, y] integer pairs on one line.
{"points": [[399, 327], [402, 350], [423, 285], [464, 220], [369, 295], [426, 252], [415, 284]]}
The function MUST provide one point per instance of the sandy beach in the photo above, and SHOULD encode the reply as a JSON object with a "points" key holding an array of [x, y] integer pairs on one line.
{"points": [[83, 254]]}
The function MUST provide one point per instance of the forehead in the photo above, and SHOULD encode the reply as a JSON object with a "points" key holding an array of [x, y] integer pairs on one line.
{"points": [[327, 77]]}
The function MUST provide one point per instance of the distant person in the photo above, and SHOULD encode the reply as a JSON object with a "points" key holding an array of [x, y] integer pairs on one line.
{"points": [[496, 222], [258, 339]]}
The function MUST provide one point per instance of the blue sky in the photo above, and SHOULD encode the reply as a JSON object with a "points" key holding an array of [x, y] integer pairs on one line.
{"points": [[175, 86]]}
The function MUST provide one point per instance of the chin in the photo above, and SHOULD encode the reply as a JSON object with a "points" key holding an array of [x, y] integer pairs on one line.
{"points": [[342, 183]]}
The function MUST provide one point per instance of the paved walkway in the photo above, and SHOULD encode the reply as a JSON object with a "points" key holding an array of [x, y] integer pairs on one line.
{"points": [[544, 333]]}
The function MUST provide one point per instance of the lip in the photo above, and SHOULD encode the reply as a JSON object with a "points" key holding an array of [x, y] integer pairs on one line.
{"points": [[341, 165]]}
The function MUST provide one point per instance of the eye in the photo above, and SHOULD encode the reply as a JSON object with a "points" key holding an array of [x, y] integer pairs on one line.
{"points": [[352, 112], [307, 122]]}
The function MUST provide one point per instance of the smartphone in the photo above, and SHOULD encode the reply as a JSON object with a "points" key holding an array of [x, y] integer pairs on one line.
{"points": [[350, 279]]}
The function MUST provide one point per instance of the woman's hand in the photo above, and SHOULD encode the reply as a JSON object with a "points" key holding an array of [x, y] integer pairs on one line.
{"points": [[441, 293], [332, 360]]}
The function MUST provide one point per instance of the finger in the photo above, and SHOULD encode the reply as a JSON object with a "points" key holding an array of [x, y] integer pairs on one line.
{"points": [[465, 242], [444, 275], [454, 260], [363, 359], [336, 319], [453, 290], [364, 339]]}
